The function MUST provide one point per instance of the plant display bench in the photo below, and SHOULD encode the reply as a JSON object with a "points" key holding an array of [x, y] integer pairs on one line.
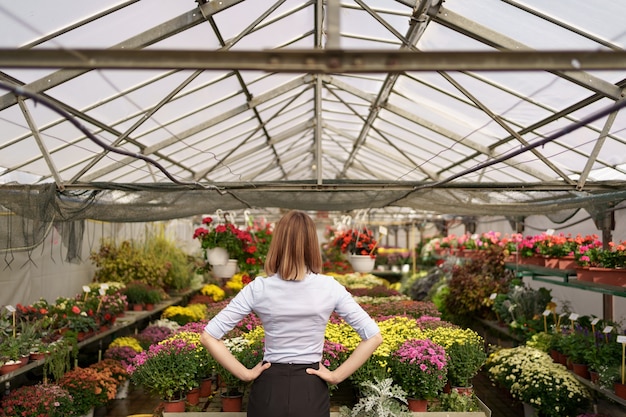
{"points": [[332, 414]]}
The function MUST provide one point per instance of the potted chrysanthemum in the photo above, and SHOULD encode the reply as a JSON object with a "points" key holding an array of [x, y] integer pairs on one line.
{"points": [[49, 400], [89, 388], [420, 367], [466, 353], [116, 370], [167, 369], [533, 378]]}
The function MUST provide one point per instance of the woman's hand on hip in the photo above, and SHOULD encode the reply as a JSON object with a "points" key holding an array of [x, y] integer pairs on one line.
{"points": [[257, 370], [324, 373]]}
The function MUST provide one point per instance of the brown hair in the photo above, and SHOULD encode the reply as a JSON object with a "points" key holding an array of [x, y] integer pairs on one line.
{"points": [[294, 250]]}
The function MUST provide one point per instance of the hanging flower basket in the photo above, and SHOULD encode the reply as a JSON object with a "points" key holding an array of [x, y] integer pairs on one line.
{"points": [[217, 256], [227, 270], [362, 263]]}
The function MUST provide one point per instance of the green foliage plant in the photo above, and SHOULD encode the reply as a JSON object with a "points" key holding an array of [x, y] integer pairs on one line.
{"points": [[381, 398], [137, 292], [473, 282], [127, 262], [455, 402], [179, 268]]}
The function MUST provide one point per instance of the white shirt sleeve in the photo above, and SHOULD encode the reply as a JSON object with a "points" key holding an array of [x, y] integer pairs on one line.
{"points": [[238, 308], [354, 314]]}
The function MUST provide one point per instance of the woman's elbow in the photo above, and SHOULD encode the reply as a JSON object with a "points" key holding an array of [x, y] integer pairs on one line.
{"points": [[377, 339], [206, 339]]}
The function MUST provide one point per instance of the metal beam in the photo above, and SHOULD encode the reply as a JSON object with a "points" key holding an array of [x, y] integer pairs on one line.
{"points": [[596, 150], [573, 73], [42, 147], [320, 61], [151, 36], [203, 126]]}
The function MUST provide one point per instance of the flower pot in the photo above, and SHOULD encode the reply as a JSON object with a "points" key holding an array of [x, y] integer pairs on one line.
{"points": [[467, 391], [550, 262], [37, 356], [231, 403], [122, 390], [362, 263], [471, 254], [89, 413], [594, 376], [193, 396], [567, 262], [174, 406], [609, 276], [9, 367], [227, 270], [584, 274], [137, 307], [217, 256], [554, 354], [206, 387], [620, 389], [581, 369], [529, 410], [24, 360], [511, 258], [149, 306], [418, 405], [533, 260]]}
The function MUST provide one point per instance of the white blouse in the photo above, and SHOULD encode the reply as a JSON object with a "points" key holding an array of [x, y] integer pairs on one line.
{"points": [[294, 315]]}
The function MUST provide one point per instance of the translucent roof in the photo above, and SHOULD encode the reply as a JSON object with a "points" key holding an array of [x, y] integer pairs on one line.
{"points": [[275, 130]]}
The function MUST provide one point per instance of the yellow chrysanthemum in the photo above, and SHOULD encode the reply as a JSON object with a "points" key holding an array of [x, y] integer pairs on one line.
{"points": [[213, 291], [131, 342]]}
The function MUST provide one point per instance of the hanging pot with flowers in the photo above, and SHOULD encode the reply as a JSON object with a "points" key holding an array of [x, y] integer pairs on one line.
{"points": [[360, 246], [224, 245]]}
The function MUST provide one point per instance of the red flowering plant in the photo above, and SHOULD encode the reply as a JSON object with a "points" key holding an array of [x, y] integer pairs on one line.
{"points": [[527, 247], [49, 400], [510, 242], [261, 233], [238, 243], [588, 251], [356, 242], [419, 367], [89, 388], [555, 246], [34, 312], [614, 256], [75, 315]]}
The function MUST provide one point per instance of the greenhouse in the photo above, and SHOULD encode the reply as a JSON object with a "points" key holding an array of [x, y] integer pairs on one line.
{"points": [[453, 145]]}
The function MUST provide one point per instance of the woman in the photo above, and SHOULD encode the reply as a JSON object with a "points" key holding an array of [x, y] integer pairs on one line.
{"points": [[294, 304]]}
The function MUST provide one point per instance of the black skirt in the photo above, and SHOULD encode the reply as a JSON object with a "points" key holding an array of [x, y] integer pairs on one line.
{"points": [[286, 390]]}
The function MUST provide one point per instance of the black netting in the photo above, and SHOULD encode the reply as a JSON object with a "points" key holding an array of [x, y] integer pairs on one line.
{"points": [[29, 212]]}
